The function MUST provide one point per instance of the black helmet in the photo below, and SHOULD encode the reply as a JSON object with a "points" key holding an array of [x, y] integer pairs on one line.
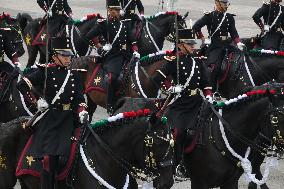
{"points": [[186, 36], [113, 4], [61, 45]]}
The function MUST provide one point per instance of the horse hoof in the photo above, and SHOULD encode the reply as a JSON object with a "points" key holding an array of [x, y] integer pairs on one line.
{"points": [[252, 185], [264, 186]]}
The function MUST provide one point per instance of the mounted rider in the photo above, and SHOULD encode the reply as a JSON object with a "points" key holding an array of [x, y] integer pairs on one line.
{"points": [[57, 12], [273, 26], [191, 79], [219, 23], [63, 105], [6, 46], [120, 44]]}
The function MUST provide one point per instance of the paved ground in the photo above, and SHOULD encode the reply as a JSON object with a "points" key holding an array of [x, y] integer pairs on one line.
{"points": [[242, 8]]}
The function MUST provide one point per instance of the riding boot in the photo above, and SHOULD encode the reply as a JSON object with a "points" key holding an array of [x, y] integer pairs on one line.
{"points": [[180, 170], [110, 98], [48, 172]]}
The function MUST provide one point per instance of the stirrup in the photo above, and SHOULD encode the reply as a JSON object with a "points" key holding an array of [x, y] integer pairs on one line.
{"points": [[180, 175]]}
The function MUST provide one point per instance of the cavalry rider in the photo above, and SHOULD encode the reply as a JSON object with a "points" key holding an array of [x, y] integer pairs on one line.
{"points": [[219, 23], [117, 51], [56, 10], [63, 105], [128, 12], [273, 26], [193, 77], [6, 45]]}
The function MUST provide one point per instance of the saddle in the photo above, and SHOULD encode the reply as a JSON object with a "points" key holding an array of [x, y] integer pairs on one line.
{"points": [[99, 79], [233, 59], [28, 165]]}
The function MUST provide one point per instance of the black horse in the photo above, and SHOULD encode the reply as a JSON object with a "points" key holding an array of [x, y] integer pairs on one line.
{"points": [[153, 34], [211, 164], [143, 142]]}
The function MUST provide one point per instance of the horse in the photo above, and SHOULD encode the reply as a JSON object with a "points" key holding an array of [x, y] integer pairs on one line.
{"points": [[135, 82], [141, 147], [152, 37], [242, 120]]}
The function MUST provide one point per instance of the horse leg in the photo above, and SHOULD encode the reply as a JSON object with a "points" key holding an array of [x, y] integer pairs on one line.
{"points": [[32, 51], [42, 58], [198, 184], [91, 107]]}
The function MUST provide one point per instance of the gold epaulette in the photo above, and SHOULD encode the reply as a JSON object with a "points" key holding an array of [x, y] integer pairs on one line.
{"points": [[170, 58]]}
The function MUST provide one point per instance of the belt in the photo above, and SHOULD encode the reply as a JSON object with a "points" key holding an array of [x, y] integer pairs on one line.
{"points": [[192, 92], [224, 38], [64, 107], [59, 12]]}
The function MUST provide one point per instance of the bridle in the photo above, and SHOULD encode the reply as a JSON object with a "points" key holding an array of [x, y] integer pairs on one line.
{"points": [[150, 171]]}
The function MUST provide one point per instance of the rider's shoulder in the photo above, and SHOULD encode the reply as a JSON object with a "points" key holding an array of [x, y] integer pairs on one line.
{"points": [[125, 20], [78, 70], [231, 14], [170, 58], [101, 20], [266, 3], [51, 65], [207, 12]]}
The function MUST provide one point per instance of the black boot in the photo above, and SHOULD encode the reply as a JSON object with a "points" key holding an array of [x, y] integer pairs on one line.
{"points": [[48, 173], [110, 98]]}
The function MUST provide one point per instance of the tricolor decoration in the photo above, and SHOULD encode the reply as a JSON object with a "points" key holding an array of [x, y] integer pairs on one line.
{"points": [[259, 52], [242, 97], [161, 13], [86, 18], [123, 116], [147, 57]]}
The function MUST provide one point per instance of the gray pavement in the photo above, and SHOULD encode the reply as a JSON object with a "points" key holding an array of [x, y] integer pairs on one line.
{"points": [[246, 27]]}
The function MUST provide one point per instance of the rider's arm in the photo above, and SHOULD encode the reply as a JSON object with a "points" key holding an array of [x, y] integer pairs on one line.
{"points": [[261, 12], [232, 29], [42, 4], [10, 50], [140, 7], [67, 8], [199, 24]]}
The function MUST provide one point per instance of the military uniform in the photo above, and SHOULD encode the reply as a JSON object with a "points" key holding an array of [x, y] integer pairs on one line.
{"points": [[6, 47], [273, 26], [118, 34], [182, 113], [57, 19], [52, 136]]}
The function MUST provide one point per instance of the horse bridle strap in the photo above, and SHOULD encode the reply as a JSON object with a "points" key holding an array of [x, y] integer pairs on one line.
{"points": [[236, 134]]}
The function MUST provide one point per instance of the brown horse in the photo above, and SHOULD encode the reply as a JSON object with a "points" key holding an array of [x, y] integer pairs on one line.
{"points": [[136, 80]]}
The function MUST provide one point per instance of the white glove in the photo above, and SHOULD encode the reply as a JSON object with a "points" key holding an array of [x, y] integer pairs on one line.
{"points": [[107, 47], [241, 46], [49, 13], [175, 89], [82, 116], [209, 99], [136, 54], [42, 105], [207, 41], [122, 12], [266, 28]]}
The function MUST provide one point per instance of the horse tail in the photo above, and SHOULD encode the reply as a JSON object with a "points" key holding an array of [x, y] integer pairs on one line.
{"points": [[24, 19]]}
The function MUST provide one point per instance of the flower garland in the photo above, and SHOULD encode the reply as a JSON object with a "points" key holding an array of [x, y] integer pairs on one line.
{"points": [[259, 52], [86, 18], [161, 13], [147, 57], [242, 97]]}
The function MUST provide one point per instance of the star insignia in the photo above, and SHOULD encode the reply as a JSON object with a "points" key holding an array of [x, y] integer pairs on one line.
{"points": [[98, 80], [30, 160]]}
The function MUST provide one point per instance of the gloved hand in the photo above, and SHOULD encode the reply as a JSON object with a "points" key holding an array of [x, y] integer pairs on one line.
{"points": [[42, 105], [266, 28], [84, 117], [141, 16], [241, 46], [136, 54], [49, 13], [107, 47], [175, 89], [122, 12], [209, 99], [207, 41]]}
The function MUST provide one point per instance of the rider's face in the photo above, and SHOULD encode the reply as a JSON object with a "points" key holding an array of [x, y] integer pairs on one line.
{"points": [[62, 60], [276, 1], [186, 48], [115, 13], [221, 6]]}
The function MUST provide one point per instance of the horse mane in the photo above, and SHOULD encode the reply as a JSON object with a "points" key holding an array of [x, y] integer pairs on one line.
{"points": [[160, 15], [7, 128], [80, 62]]}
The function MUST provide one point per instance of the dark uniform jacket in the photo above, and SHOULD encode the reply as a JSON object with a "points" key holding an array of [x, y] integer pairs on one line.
{"points": [[269, 12], [183, 112], [53, 131], [58, 18], [130, 9], [5, 45], [220, 39], [121, 47]]}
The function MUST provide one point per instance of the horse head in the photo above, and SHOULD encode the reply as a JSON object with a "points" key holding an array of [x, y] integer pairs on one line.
{"points": [[14, 33], [24, 19]]}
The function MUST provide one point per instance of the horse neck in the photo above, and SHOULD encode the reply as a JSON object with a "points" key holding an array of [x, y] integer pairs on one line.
{"points": [[147, 83], [87, 26]]}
